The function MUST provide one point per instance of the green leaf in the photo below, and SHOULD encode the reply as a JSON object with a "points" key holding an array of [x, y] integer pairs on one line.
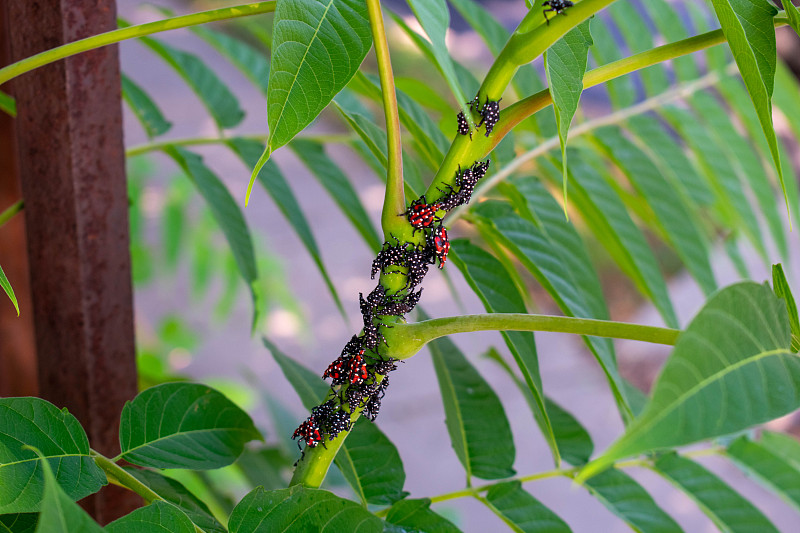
{"points": [[729, 511], [156, 517], [708, 141], [271, 178], [785, 446], [565, 64], [784, 292], [521, 511], [771, 469], [330, 176], [479, 430], [227, 214], [574, 442], [253, 63], [8, 289], [183, 425], [368, 460], [628, 500], [489, 279], [605, 50], [793, 14], [670, 25], [144, 108], [730, 369], [749, 29], [175, 493], [217, 98], [671, 212], [416, 516], [59, 437], [8, 104], [285, 510], [608, 218], [372, 465], [434, 18], [60, 514], [18, 522], [268, 467], [317, 47], [549, 248]]}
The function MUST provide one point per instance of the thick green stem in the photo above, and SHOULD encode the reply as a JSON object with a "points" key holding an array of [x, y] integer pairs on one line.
{"points": [[9, 213], [408, 339], [118, 476], [394, 201], [131, 32]]}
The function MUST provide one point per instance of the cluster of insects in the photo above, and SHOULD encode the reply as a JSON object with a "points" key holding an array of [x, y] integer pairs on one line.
{"points": [[489, 113], [360, 375]]}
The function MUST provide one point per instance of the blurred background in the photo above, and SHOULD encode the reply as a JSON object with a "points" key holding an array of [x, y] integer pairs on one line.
{"points": [[194, 314]]}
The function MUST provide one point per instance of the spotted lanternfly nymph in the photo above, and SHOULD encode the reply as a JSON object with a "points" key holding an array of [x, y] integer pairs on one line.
{"points": [[384, 366], [417, 267], [420, 214], [336, 370], [339, 421], [354, 346], [559, 6], [463, 125], [310, 432], [401, 306], [390, 255], [490, 114], [440, 243]]}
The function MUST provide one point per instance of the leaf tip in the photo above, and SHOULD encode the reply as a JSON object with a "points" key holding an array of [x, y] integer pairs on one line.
{"points": [[259, 165]]}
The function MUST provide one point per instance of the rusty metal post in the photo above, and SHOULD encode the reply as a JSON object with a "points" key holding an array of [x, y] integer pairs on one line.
{"points": [[17, 348], [72, 164]]}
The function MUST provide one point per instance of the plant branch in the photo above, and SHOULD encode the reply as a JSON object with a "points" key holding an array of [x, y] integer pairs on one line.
{"points": [[118, 476], [394, 201], [410, 338], [9, 213], [131, 32], [153, 146], [617, 117]]}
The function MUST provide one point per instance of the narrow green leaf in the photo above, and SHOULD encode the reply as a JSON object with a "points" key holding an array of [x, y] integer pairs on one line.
{"points": [[489, 279], [565, 64], [749, 29], [227, 214], [18, 522], [793, 14], [729, 511], [730, 369], [624, 497], [330, 176], [173, 220], [368, 460], [549, 247], [574, 442], [144, 108], [708, 142], [782, 445], [771, 469], [217, 98], [9, 290], [271, 178], [784, 292], [671, 211], [373, 464], [59, 438], [317, 46], [8, 104], [175, 493], [479, 430], [434, 18], [521, 511], [416, 516], [605, 50], [282, 511], [60, 514], [183, 425], [608, 218], [253, 63], [670, 25], [156, 517], [638, 37]]}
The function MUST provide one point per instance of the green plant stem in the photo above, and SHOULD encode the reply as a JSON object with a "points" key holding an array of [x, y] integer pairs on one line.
{"points": [[9, 213], [617, 117], [394, 201], [196, 141], [408, 339], [131, 32], [118, 476]]}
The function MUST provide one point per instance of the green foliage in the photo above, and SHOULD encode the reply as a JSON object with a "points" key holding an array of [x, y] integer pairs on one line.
{"points": [[686, 163], [8, 289]]}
